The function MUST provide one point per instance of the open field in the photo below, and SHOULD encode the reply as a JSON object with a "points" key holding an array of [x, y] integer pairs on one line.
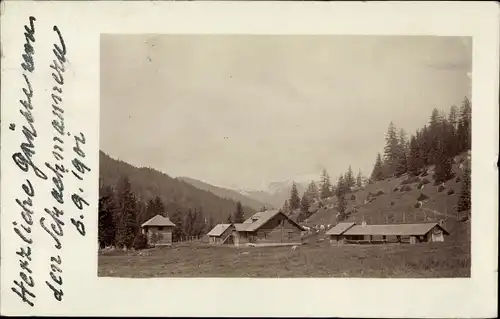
{"points": [[447, 259]]}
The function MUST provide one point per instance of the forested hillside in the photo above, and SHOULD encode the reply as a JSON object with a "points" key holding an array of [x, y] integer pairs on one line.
{"points": [[425, 175], [128, 196]]}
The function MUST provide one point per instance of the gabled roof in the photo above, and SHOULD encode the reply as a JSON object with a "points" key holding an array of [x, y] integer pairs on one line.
{"points": [[219, 229], [393, 229], [339, 228], [158, 220], [259, 219], [241, 226]]}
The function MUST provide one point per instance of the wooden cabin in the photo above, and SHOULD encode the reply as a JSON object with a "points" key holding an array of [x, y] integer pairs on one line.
{"points": [[268, 227], [158, 231], [398, 233], [221, 234]]}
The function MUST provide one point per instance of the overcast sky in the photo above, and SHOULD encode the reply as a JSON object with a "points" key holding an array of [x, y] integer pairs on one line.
{"points": [[242, 111]]}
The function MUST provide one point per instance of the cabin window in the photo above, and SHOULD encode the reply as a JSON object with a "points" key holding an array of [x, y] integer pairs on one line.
{"points": [[161, 228], [290, 236], [265, 235]]}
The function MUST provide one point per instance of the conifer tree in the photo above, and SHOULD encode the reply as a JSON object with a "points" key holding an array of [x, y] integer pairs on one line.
{"points": [[349, 179], [378, 169], [294, 198], [107, 209], [443, 165], [178, 219], [402, 166], [304, 204], [341, 191], [239, 216], [452, 138], [188, 223], [415, 163], [150, 210], [391, 150], [433, 135], [229, 219], [198, 223], [423, 145], [312, 192], [286, 208], [402, 161], [464, 202], [464, 126], [359, 180], [326, 187], [342, 187], [159, 207], [127, 224]]}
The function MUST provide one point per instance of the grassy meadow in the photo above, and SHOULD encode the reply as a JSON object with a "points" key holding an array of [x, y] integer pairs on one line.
{"points": [[316, 259]]}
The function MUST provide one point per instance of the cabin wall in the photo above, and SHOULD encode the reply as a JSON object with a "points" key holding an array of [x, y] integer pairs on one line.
{"points": [[166, 233], [337, 240], [240, 238], [226, 233], [334, 239], [278, 230], [215, 240]]}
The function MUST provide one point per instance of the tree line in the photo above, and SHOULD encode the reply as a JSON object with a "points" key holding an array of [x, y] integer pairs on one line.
{"points": [[121, 214], [437, 143], [316, 192]]}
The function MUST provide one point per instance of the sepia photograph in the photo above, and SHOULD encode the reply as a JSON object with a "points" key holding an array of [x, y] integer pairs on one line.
{"points": [[310, 150], [280, 156]]}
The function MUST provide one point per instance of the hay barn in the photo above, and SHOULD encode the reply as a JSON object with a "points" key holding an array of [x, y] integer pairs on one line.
{"points": [[158, 231], [378, 234]]}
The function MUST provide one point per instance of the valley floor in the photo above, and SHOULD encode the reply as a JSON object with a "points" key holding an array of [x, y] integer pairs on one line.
{"points": [[424, 260]]}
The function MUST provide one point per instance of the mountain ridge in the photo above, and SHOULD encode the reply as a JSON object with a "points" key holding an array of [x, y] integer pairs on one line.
{"points": [[148, 183], [225, 193]]}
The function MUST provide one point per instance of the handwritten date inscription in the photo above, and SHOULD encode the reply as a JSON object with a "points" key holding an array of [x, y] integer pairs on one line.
{"points": [[52, 219]]}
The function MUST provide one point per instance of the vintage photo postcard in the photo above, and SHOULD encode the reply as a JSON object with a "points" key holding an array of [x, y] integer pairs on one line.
{"points": [[249, 159]]}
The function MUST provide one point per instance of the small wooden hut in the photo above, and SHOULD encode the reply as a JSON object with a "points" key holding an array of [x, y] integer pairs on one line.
{"points": [[158, 231], [221, 234]]}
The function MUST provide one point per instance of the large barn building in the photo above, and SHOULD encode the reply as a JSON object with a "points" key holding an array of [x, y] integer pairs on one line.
{"points": [[270, 227], [412, 233]]}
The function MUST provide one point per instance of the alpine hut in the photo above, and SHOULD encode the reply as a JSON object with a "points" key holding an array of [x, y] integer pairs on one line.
{"points": [[221, 234], [271, 227], [158, 231]]}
